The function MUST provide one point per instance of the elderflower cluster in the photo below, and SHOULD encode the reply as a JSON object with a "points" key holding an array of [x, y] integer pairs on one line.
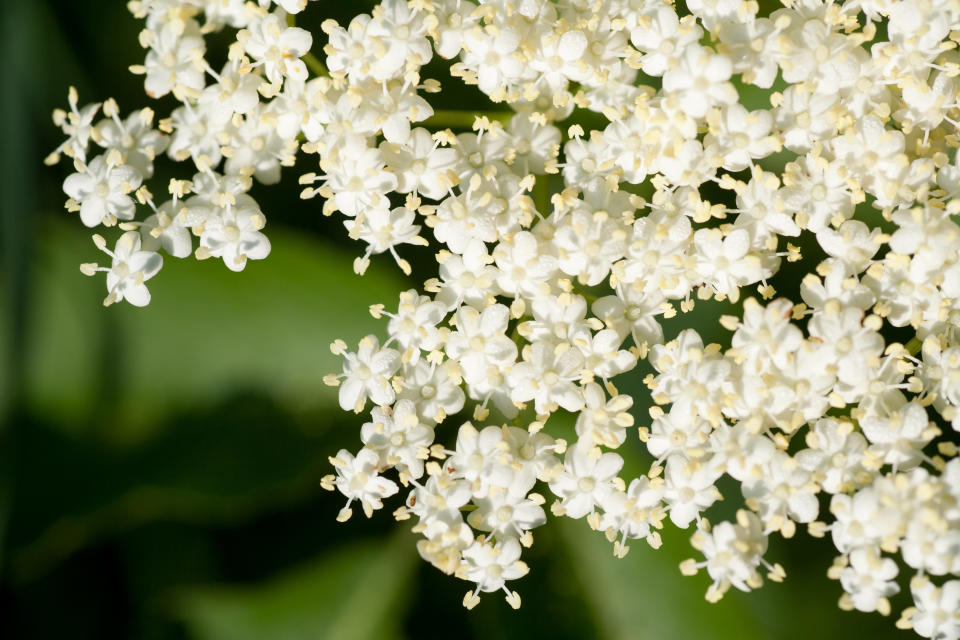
{"points": [[621, 181]]}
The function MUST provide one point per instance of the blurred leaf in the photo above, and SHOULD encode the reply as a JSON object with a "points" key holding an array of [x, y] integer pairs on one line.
{"points": [[220, 466], [643, 596], [207, 332], [354, 592]]}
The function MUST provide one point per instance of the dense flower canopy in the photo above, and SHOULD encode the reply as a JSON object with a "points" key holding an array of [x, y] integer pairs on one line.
{"points": [[630, 172]]}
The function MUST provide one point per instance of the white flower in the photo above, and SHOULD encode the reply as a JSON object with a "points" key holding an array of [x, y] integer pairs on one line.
{"points": [[256, 147], [277, 47], [420, 165], [383, 229], [548, 375], [937, 612], [523, 265], [690, 375], [585, 481], [678, 432], [603, 356], [358, 479], [101, 191], [356, 174], [495, 55], [398, 437], [506, 515], [133, 137], [589, 243], [854, 244], [462, 221], [196, 133], [850, 346], [558, 58], [898, 432], [558, 318], [434, 388], [414, 325], [77, 125], [401, 30], [482, 459], [766, 338], [837, 285], [130, 267], [689, 489], [437, 504], [725, 262], [782, 494], [535, 146], [634, 513], [604, 421], [662, 38], [740, 136], [868, 580], [865, 519], [469, 278], [763, 211], [479, 342], [835, 454], [733, 552], [167, 228], [491, 566], [235, 237], [172, 59], [367, 375], [700, 80], [290, 6], [632, 313]]}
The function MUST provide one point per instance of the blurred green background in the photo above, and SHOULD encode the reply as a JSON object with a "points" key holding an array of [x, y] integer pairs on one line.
{"points": [[160, 467]]}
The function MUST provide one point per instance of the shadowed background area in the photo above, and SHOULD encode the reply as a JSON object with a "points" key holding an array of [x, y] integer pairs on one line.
{"points": [[160, 467]]}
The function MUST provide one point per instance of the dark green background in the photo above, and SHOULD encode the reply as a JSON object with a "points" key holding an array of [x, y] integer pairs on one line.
{"points": [[159, 467]]}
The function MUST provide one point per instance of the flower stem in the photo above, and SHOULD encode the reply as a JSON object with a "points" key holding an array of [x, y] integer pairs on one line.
{"points": [[463, 118], [541, 195], [913, 346], [313, 63]]}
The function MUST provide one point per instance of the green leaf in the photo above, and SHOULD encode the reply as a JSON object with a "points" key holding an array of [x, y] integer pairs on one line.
{"points": [[355, 592], [206, 333], [643, 596]]}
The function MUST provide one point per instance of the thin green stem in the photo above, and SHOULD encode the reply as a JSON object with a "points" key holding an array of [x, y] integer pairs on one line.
{"points": [[541, 194], [313, 63], [462, 118], [914, 345], [587, 295]]}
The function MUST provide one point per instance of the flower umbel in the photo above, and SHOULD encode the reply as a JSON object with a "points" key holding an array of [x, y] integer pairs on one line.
{"points": [[573, 223]]}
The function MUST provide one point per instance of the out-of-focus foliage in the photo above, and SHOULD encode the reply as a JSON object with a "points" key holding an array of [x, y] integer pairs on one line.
{"points": [[352, 592], [208, 332], [159, 468]]}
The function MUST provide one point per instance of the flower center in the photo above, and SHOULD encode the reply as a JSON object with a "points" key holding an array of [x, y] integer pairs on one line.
{"points": [[231, 232]]}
